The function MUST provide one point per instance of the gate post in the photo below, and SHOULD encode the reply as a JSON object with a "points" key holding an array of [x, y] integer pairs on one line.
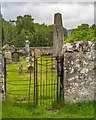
{"points": [[62, 77], [60, 72], [58, 40]]}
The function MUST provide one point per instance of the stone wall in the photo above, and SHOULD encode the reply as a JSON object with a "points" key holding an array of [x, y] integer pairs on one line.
{"points": [[43, 50], [79, 71]]}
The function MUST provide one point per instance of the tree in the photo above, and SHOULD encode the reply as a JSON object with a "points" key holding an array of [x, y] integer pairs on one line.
{"points": [[83, 27], [15, 32], [25, 22], [82, 32]]}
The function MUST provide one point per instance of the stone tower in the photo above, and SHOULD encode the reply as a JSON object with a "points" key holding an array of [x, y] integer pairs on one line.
{"points": [[58, 35]]}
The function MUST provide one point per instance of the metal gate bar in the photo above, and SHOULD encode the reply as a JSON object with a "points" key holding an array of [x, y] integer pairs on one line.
{"points": [[45, 81], [46, 86]]}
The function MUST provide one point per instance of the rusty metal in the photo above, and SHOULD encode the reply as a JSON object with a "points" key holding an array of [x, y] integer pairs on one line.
{"points": [[47, 82], [5, 75], [41, 88], [30, 82], [60, 75], [57, 58], [36, 82]]}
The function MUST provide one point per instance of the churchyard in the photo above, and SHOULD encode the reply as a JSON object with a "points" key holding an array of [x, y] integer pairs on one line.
{"points": [[20, 103], [51, 82]]}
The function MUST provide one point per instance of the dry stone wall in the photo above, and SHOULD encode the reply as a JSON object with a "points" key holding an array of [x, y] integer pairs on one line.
{"points": [[79, 71], [43, 50]]}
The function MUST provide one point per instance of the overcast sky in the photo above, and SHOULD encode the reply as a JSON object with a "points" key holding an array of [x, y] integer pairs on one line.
{"points": [[73, 13]]}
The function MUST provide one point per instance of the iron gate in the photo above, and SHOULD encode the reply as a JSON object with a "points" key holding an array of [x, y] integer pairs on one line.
{"points": [[42, 85]]}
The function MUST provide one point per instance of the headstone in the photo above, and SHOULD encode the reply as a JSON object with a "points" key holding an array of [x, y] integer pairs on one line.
{"points": [[20, 68], [6, 47], [37, 53], [29, 63], [58, 35], [27, 47], [7, 53], [15, 56], [8, 57]]}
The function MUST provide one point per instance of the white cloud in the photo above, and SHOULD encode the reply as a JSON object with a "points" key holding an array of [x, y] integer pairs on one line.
{"points": [[47, 1], [73, 13]]}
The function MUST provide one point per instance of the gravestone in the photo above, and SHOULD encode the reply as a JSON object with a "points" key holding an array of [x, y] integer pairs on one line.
{"points": [[27, 48], [7, 53], [8, 57], [15, 56], [29, 63], [20, 68], [37, 53], [58, 35]]}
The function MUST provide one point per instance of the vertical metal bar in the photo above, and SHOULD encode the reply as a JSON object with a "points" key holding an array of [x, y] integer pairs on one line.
{"points": [[30, 83], [49, 78], [63, 80], [5, 75], [57, 79], [46, 83], [41, 82], [61, 77], [34, 80], [61, 87], [54, 80], [36, 83], [51, 91], [52, 87], [62, 67]]}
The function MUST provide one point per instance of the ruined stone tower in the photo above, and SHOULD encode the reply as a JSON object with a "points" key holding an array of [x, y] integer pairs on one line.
{"points": [[58, 35]]}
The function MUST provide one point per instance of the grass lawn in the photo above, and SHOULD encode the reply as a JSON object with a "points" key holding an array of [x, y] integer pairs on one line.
{"points": [[80, 110], [18, 86]]}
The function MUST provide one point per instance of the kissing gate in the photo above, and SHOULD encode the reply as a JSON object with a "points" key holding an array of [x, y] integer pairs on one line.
{"points": [[42, 84]]}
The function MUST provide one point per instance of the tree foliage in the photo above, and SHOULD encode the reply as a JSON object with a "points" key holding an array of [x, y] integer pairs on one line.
{"points": [[83, 33], [15, 32]]}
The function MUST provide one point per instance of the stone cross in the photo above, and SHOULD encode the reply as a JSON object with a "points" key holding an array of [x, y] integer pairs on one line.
{"points": [[58, 35]]}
